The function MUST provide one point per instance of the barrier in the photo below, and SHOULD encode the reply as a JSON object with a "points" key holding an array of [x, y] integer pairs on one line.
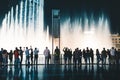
{"points": [[41, 59]]}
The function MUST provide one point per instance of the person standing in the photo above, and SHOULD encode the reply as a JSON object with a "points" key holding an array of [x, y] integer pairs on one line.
{"points": [[5, 57], [112, 53], [31, 55], [11, 56], [79, 57], [104, 56], [75, 56], [65, 50], [47, 55], [69, 56], [16, 56], [109, 56], [118, 57], [57, 54], [27, 56], [98, 56], [21, 55], [84, 56], [36, 56], [88, 55], [91, 55], [1, 57]]}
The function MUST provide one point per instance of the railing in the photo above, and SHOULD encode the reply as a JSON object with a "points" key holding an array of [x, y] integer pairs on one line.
{"points": [[41, 59]]}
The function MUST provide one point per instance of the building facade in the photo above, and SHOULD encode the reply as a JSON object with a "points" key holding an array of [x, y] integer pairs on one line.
{"points": [[116, 40]]}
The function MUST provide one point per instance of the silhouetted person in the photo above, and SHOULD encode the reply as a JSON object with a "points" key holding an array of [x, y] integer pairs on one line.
{"points": [[98, 56], [109, 56], [21, 55], [36, 56], [118, 57], [104, 56], [47, 55], [112, 53], [16, 56], [92, 55], [84, 56], [65, 50], [5, 57], [27, 56], [57, 54], [88, 55], [11, 56], [1, 58], [31, 55], [69, 56], [75, 56], [79, 57]]}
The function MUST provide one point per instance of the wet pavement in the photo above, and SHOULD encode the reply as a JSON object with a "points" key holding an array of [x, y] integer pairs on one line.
{"points": [[60, 72]]}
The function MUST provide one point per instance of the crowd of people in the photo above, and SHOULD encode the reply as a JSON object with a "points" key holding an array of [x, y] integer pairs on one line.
{"points": [[87, 54], [77, 56], [17, 54]]}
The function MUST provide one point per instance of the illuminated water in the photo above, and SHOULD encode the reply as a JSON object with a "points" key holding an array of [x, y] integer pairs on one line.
{"points": [[90, 35], [23, 26]]}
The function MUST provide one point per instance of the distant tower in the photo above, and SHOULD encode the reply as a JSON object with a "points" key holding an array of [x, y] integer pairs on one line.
{"points": [[55, 28]]}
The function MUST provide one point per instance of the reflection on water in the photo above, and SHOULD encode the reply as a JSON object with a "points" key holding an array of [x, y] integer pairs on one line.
{"points": [[60, 72]]}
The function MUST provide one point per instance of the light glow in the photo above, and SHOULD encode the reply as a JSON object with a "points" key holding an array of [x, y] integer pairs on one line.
{"points": [[82, 36]]}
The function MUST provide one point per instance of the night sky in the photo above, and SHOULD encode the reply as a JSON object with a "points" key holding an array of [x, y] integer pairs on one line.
{"points": [[110, 7], [5, 6], [73, 7]]}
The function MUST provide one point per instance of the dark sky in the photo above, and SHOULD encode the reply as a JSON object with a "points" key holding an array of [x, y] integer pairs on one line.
{"points": [[110, 7], [5, 6]]}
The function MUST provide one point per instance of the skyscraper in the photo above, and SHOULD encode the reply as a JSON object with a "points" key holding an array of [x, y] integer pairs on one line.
{"points": [[55, 28]]}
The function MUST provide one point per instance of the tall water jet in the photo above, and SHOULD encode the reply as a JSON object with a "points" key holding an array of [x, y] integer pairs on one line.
{"points": [[86, 32], [23, 26]]}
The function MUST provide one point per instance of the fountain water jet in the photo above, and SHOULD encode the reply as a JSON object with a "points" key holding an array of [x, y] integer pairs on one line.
{"points": [[87, 35], [25, 28]]}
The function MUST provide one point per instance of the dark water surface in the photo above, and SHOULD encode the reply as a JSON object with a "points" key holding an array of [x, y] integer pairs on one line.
{"points": [[60, 72]]}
